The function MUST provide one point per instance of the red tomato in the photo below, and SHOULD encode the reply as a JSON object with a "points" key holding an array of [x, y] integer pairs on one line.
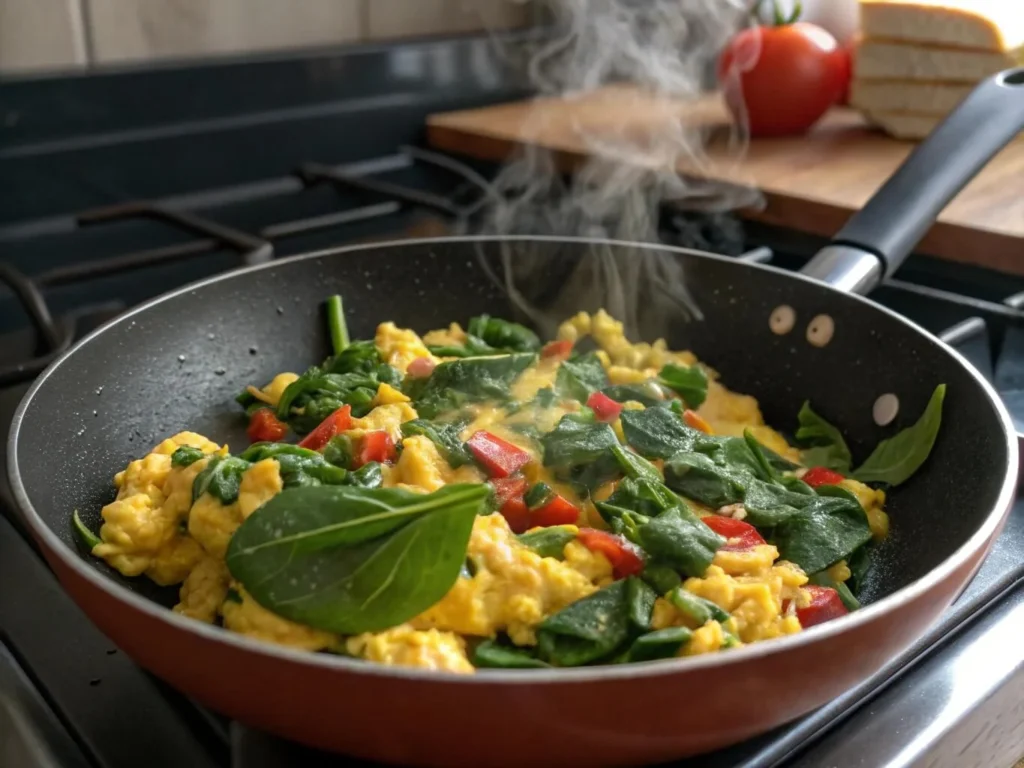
{"points": [[783, 79], [506, 488], [421, 367], [739, 535], [558, 511], [819, 476], [556, 349], [337, 422], [499, 457], [264, 426], [624, 557], [376, 446], [516, 515], [825, 605], [604, 408], [695, 421]]}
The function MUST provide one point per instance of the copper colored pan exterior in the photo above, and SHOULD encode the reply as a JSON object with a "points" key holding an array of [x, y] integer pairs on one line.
{"points": [[154, 372]]}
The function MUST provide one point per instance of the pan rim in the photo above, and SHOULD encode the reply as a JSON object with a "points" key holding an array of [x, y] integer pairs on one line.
{"points": [[70, 556]]}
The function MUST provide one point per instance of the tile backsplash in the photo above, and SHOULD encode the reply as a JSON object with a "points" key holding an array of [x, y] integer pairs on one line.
{"points": [[41, 35]]}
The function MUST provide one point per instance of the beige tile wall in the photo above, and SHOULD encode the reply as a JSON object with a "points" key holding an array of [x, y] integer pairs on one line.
{"points": [[61, 34]]}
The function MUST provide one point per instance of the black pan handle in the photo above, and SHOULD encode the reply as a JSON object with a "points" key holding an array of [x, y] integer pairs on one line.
{"points": [[879, 237]]}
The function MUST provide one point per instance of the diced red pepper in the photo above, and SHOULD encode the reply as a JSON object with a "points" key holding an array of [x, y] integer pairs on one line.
{"points": [[624, 556], [516, 514], [818, 476], [740, 535], [498, 457], [825, 605], [556, 349], [376, 446], [604, 408], [506, 488], [264, 426], [337, 422], [558, 511], [421, 367], [694, 420]]}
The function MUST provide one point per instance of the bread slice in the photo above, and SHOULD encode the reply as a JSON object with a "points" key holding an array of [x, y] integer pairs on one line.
{"points": [[919, 97], [899, 61], [987, 25]]}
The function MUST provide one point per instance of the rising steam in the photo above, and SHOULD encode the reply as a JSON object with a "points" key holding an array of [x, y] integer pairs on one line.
{"points": [[657, 56]]}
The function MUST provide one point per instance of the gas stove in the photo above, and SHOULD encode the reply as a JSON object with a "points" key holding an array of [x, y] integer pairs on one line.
{"points": [[123, 185]]}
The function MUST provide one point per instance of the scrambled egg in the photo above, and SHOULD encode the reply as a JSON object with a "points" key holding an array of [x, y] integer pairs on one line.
{"points": [[154, 528]]}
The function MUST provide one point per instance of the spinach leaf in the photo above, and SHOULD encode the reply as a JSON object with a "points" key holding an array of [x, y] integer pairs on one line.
{"points": [[639, 604], [679, 539], [640, 496], [503, 335], [336, 324], [360, 357], [763, 470], [657, 433], [659, 644], [88, 539], [351, 560], [298, 466], [689, 382], [660, 577], [859, 564], [578, 450], [823, 532], [220, 478], [895, 460], [539, 495], [367, 476], [826, 445], [545, 397], [549, 542], [822, 579], [471, 347], [186, 456], [580, 377], [339, 451], [696, 608], [635, 466], [594, 627], [648, 394], [700, 478], [458, 382], [444, 436], [503, 655]]}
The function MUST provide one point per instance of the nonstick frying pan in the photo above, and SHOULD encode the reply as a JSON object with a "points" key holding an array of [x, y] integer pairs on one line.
{"points": [[176, 362]]}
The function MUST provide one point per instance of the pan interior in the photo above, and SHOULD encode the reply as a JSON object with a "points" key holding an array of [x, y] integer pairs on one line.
{"points": [[178, 363]]}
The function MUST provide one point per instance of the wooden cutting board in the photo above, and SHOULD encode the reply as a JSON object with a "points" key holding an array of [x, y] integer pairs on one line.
{"points": [[811, 183]]}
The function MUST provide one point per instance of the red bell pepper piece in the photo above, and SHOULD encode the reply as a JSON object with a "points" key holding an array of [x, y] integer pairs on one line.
{"points": [[376, 446], [818, 476], [556, 349], [558, 511], [740, 535], [694, 420], [421, 367], [604, 408], [825, 605], [264, 426], [498, 457], [624, 556], [516, 514], [506, 488], [339, 421]]}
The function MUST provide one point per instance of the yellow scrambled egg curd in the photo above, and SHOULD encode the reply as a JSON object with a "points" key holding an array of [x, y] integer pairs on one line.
{"points": [[399, 346], [421, 467], [271, 393], [141, 530], [204, 590], [730, 413], [408, 647], [387, 417], [873, 502], [514, 588], [244, 615], [452, 336], [212, 523], [610, 336], [751, 587]]}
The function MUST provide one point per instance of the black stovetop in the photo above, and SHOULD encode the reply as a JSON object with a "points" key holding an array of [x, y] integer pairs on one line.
{"points": [[129, 183]]}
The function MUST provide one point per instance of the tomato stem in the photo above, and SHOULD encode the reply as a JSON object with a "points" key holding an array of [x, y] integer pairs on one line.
{"points": [[779, 19]]}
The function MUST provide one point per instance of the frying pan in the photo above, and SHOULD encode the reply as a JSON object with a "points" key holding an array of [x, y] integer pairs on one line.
{"points": [[177, 361]]}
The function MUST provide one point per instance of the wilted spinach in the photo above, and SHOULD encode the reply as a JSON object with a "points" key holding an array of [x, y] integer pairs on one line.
{"points": [[580, 377], [659, 644], [826, 444], [646, 394], [298, 466], [458, 382], [822, 579], [186, 456], [578, 449], [502, 654], [550, 541], [221, 478], [593, 628], [688, 381], [824, 532], [895, 460], [658, 433], [503, 335], [444, 436], [353, 560]]}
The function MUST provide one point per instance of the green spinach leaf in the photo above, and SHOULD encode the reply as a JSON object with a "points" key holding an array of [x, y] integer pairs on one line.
{"points": [[444, 436], [822, 579], [659, 644], [298, 466], [549, 542], [660, 577], [456, 383], [679, 539], [823, 532], [648, 394], [635, 466], [826, 445], [895, 460], [186, 456], [700, 478], [698, 609], [578, 449], [351, 560], [369, 475], [495, 654], [88, 539], [859, 563], [221, 478], [580, 377], [689, 382], [658, 433], [503, 335], [336, 324]]}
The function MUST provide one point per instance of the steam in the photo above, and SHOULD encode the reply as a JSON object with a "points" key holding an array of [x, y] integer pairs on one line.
{"points": [[654, 57]]}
